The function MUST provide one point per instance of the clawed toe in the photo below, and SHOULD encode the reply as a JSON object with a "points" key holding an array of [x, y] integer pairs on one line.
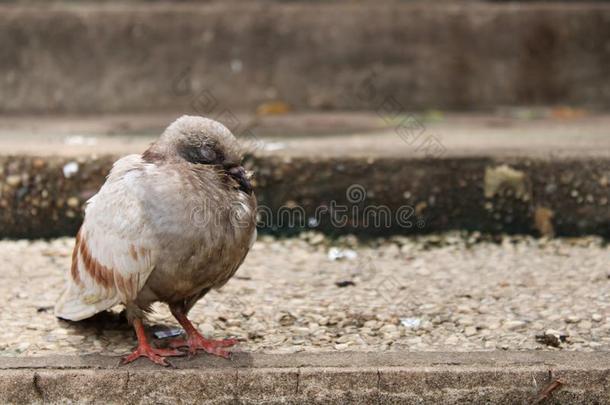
{"points": [[201, 342], [195, 341], [157, 356], [223, 342], [219, 352], [210, 346]]}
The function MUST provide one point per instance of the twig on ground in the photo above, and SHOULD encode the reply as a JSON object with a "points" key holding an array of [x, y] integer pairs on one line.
{"points": [[547, 391]]}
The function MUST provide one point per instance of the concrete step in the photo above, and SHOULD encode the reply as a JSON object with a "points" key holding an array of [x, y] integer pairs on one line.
{"points": [[546, 176], [330, 378], [116, 57]]}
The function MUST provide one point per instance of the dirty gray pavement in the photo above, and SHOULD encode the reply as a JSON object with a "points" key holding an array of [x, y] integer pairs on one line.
{"points": [[446, 292]]}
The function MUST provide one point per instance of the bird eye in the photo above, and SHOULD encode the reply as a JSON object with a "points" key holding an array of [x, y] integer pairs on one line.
{"points": [[207, 154]]}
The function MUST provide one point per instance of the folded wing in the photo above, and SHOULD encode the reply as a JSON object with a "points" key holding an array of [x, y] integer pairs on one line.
{"points": [[115, 248]]}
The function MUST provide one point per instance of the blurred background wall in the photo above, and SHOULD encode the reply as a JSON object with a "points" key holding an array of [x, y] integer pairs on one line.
{"points": [[85, 57]]}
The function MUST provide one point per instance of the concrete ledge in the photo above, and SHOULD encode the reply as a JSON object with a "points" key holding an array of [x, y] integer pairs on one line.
{"points": [[400, 377]]}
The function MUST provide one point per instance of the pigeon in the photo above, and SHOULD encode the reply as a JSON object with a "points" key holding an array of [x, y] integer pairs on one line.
{"points": [[167, 226]]}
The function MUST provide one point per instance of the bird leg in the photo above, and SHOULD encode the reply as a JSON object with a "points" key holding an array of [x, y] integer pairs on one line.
{"points": [[144, 348], [195, 341]]}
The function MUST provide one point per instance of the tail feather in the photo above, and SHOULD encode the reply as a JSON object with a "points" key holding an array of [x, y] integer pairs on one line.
{"points": [[73, 306]]}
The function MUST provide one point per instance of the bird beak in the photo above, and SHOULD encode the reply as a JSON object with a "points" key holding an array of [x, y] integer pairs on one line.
{"points": [[242, 177]]}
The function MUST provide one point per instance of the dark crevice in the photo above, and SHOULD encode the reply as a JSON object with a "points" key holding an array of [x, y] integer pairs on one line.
{"points": [[128, 377], [37, 388], [378, 380], [236, 387]]}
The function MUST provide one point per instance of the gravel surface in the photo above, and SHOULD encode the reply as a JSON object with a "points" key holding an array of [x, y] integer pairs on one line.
{"points": [[452, 292]]}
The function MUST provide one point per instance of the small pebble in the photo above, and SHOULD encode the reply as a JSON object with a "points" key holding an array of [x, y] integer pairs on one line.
{"points": [[513, 325], [470, 331], [206, 329], [13, 180], [73, 202], [452, 340]]}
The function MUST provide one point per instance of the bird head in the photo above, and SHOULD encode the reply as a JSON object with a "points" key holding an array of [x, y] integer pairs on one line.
{"points": [[203, 141]]}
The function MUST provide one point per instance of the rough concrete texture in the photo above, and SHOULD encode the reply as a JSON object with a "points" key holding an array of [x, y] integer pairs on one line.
{"points": [[116, 57], [335, 378], [422, 195], [450, 292]]}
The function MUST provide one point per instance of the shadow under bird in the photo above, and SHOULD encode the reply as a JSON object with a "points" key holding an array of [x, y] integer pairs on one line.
{"points": [[167, 226]]}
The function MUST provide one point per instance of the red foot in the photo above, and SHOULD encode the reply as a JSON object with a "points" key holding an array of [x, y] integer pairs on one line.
{"points": [[197, 342], [157, 356]]}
